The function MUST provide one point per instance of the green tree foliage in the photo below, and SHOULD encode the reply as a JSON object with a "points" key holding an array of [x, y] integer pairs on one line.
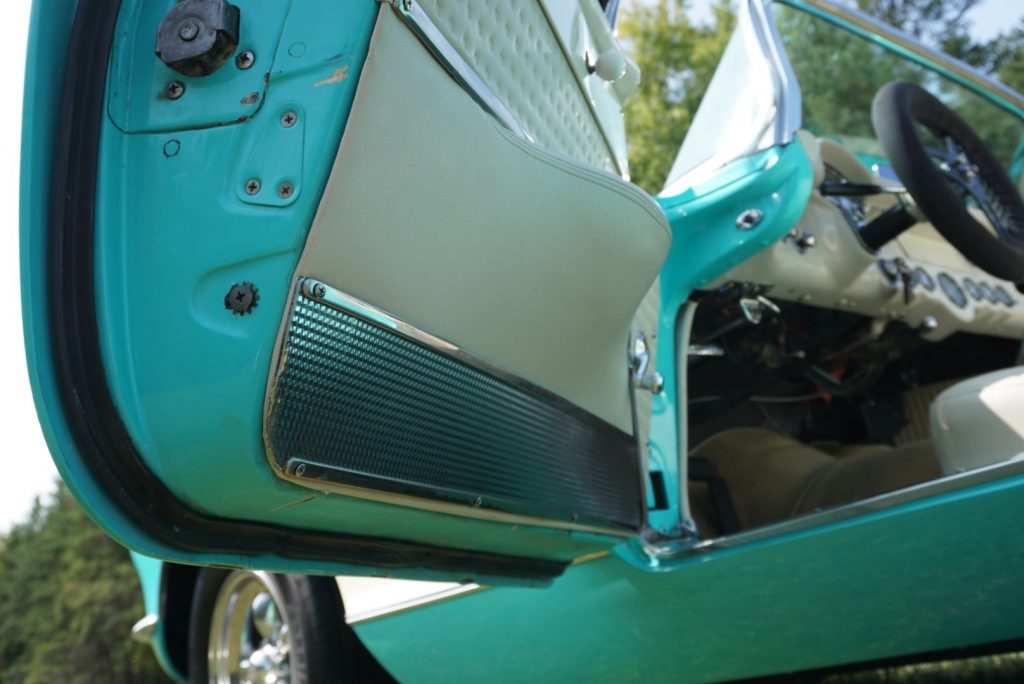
{"points": [[68, 599], [932, 21], [838, 73], [676, 60], [1005, 57]]}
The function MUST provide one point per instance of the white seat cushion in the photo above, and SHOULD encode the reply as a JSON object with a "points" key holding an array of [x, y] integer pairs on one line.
{"points": [[980, 422]]}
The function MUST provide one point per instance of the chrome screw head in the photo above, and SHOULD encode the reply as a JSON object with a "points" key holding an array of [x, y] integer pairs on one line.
{"points": [[188, 30], [285, 190], [174, 90], [245, 59], [252, 186], [301, 469], [319, 290], [289, 118]]}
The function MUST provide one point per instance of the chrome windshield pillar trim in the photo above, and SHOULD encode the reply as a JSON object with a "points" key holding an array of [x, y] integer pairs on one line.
{"points": [[788, 102], [864, 507], [434, 40], [777, 118]]}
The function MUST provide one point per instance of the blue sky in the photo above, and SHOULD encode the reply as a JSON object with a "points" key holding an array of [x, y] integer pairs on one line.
{"points": [[994, 16], [986, 20]]}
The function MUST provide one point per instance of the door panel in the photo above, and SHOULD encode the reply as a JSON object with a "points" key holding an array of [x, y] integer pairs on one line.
{"points": [[523, 259], [472, 251], [151, 384]]}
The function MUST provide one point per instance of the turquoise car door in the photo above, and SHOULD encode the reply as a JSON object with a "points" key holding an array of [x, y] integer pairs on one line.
{"points": [[323, 287]]}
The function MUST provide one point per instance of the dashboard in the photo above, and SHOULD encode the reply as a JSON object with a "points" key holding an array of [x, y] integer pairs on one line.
{"points": [[918, 277]]}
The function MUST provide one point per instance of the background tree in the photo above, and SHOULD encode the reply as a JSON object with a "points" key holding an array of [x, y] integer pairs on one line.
{"points": [[931, 21], [68, 599], [1005, 57], [678, 57], [676, 60]]}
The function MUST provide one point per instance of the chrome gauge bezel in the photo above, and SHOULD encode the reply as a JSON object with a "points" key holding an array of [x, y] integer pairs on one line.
{"points": [[924, 279], [952, 290]]}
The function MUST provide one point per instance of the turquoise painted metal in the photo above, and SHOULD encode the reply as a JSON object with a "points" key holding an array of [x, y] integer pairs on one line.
{"points": [[150, 572], [239, 241], [911, 579], [172, 353], [705, 244], [49, 29], [767, 606]]}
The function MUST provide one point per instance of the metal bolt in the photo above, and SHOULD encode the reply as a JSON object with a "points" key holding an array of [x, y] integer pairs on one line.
{"points": [[285, 190], [478, 502], [252, 186], [749, 219], [289, 118], [174, 90], [242, 298], [245, 59], [407, 5], [188, 30], [301, 469], [319, 290]]}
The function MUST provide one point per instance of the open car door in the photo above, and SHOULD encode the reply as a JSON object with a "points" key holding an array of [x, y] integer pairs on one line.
{"points": [[340, 287]]}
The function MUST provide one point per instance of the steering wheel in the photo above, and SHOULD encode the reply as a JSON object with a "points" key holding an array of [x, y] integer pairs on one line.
{"points": [[941, 179]]}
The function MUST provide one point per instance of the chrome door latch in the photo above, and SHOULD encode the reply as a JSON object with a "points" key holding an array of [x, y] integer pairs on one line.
{"points": [[644, 378], [756, 308]]}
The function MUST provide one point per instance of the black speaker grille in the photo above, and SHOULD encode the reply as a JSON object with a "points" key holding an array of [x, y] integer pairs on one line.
{"points": [[360, 404]]}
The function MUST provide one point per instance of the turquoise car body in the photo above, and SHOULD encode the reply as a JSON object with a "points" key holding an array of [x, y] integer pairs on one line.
{"points": [[765, 603]]}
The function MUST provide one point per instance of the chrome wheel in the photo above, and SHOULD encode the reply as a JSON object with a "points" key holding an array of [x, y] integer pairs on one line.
{"points": [[249, 632]]}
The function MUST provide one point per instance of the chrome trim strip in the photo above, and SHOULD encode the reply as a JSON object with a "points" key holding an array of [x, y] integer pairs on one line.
{"points": [[320, 291], [410, 604], [789, 113], [641, 449], [430, 35], [311, 475], [142, 631], [875, 504], [314, 476], [621, 164], [867, 23]]}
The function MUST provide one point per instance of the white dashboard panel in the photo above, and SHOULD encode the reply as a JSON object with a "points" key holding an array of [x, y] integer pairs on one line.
{"points": [[839, 272]]}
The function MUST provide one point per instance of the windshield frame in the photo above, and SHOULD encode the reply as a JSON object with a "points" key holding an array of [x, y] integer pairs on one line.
{"points": [[908, 47]]}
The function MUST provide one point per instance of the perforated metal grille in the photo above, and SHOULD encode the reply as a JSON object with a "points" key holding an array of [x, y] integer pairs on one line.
{"points": [[358, 404]]}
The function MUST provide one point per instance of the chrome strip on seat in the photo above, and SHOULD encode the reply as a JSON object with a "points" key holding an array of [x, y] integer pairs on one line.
{"points": [[432, 38]]}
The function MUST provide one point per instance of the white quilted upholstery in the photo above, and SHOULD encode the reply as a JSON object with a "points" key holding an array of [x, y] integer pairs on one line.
{"points": [[512, 47]]}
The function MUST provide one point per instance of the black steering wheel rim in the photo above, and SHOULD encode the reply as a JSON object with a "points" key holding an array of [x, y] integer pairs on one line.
{"points": [[897, 110]]}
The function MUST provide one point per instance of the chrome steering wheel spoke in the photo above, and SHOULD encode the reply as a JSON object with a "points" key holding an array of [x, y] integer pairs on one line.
{"points": [[965, 177]]}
